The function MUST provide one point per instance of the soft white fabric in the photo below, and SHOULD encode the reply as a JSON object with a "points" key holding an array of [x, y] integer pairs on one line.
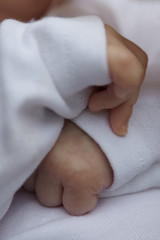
{"points": [[45, 73], [134, 158], [134, 217]]}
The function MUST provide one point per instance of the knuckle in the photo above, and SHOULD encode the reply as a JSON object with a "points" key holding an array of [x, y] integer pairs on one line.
{"points": [[85, 178], [126, 59], [79, 176], [99, 185], [128, 62], [134, 69]]}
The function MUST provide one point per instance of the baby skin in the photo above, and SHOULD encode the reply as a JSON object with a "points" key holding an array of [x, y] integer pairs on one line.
{"points": [[73, 173]]}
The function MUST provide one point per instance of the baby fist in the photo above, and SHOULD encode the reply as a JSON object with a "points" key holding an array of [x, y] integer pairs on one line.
{"points": [[73, 173], [127, 66]]}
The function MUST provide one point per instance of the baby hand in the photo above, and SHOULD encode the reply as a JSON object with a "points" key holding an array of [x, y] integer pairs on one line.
{"points": [[127, 66], [72, 174]]}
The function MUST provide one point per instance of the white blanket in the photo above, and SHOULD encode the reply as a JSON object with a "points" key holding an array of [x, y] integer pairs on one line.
{"points": [[135, 159], [134, 217]]}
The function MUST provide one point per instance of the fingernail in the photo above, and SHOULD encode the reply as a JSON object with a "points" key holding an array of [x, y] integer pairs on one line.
{"points": [[124, 130]]}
